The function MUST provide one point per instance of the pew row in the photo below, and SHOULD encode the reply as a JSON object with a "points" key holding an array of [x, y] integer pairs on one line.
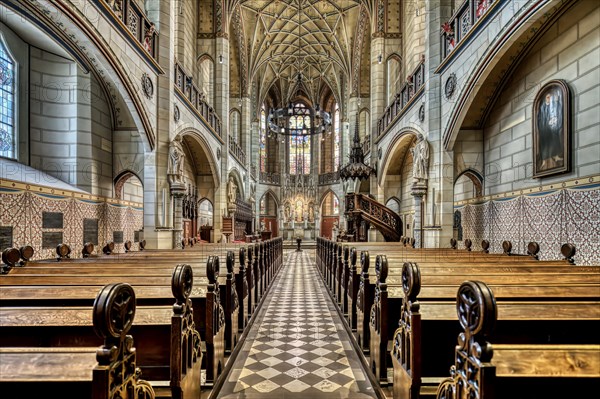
{"points": [[107, 372]]}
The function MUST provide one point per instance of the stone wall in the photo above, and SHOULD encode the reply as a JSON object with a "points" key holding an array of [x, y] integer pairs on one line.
{"points": [[569, 50]]}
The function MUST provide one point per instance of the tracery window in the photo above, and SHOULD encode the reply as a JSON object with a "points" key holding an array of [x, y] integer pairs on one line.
{"points": [[299, 142], [7, 102], [263, 140]]}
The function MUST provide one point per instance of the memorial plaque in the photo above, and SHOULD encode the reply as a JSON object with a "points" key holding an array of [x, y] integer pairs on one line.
{"points": [[52, 220], [118, 237], [136, 235], [6, 237], [51, 239], [90, 231]]}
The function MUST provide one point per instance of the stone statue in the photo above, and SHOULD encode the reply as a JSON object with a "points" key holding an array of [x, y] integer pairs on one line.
{"points": [[176, 160], [420, 159], [252, 197], [286, 213], [231, 191]]}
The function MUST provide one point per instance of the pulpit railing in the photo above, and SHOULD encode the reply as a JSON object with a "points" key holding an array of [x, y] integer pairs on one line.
{"points": [[360, 207]]}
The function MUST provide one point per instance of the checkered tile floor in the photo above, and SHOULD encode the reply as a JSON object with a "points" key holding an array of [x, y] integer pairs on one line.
{"points": [[297, 348]]}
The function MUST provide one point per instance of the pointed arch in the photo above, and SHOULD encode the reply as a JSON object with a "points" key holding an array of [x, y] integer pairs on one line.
{"points": [[273, 195], [121, 179], [201, 148], [405, 138]]}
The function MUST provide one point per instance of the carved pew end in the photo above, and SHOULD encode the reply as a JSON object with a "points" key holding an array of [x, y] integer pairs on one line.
{"points": [[63, 251], [127, 246], [533, 248], [468, 244], [453, 243], [485, 246], [88, 249], [142, 245], [26, 252], [507, 247], [568, 251], [10, 258], [109, 248]]}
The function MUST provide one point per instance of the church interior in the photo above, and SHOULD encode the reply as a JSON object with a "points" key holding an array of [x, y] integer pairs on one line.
{"points": [[299, 199]]}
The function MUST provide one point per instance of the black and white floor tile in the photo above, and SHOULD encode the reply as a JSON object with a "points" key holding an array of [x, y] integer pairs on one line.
{"points": [[298, 347]]}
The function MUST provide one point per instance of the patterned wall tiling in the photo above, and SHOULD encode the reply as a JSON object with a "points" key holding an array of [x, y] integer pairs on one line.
{"points": [[550, 218], [23, 211]]}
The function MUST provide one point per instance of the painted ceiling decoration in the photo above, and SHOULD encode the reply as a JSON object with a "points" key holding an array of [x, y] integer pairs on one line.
{"points": [[319, 40]]}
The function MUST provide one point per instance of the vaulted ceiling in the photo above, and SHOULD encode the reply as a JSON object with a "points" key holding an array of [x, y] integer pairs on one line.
{"points": [[296, 48]]}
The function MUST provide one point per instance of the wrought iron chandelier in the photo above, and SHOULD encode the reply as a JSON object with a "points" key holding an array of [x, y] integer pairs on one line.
{"points": [[356, 167], [318, 121]]}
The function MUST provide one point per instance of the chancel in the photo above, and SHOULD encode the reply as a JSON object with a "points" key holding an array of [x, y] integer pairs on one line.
{"points": [[218, 199]]}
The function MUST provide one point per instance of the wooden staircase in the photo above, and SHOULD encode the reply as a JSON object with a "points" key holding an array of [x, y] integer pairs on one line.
{"points": [[362, 212]]}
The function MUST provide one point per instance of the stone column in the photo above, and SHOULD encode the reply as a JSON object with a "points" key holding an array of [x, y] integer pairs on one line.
{"points": [[177, 191], [378, 102], [222, 109], [156, 202], [418, 191]]}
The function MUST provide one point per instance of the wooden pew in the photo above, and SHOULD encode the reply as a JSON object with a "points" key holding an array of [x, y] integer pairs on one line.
{"points": [[76, 373], [426, 327], [484, 371], [167, 336]]}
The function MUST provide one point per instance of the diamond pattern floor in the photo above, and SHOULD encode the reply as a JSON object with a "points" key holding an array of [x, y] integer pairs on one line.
{"points": [[298, 347]]}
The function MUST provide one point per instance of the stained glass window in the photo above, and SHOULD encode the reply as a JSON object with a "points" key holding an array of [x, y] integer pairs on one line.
{"points": [[299, 144], [263, 140], [7, 101], [336, 139], [336, 205]]}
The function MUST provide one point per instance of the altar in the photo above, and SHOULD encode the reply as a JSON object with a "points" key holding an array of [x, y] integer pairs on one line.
{"points": [[307, 233]]}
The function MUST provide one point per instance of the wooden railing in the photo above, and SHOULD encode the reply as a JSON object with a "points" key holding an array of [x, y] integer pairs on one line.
{"points": [[402, 101], [236, 150], [359, 206], [186, 87], [270, 178], [127, 13], [329, 178], [469, 14]]}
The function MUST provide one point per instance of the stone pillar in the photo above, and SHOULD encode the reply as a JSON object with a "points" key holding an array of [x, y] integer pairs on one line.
{"points": [[418, 191], [156, 198], [378, 102], [222, 109], [177, 191], [441, 176]]}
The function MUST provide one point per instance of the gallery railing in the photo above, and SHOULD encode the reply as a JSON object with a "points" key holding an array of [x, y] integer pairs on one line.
{"points": [[236, 150], [403, 99], [329, 178], [195, 97], [127, 14], [270, 178]]}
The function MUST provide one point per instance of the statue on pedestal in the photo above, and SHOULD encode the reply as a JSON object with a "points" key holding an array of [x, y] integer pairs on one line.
{"points": [[420, 160], [176, 160], [231, 192]]}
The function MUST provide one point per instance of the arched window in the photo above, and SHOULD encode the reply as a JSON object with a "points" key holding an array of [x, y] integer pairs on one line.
{"points": [[8, 102], [263, 140], [336, 138], [299, 144]]}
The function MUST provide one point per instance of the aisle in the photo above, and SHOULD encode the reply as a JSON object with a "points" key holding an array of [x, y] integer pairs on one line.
{"points": [[298, 347]]}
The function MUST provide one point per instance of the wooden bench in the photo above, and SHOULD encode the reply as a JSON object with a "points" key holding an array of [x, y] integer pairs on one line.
{"points": [[426, 330], [170, 345], [482, 370], [76, 373]]}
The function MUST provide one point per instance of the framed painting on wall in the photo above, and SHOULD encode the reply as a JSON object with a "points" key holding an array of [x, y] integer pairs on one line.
{"points": [[551, 129]]}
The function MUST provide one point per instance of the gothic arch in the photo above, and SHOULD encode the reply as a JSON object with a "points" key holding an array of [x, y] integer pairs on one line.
{"points": [[273, 195], [200, 142], [395, 144], [324, 196], [475, 177], [121, 179], [239, 181]]}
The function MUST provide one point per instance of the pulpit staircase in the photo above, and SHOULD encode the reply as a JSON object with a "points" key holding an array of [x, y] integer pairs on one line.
{"points": [[361, 210]]}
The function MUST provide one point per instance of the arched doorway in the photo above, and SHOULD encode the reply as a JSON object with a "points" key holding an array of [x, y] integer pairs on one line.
{"points": [[205, 218], [330, 215], [129, 187], [268, 214]]}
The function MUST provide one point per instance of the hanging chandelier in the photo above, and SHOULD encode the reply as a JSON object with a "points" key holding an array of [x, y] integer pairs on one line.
{"points": [[297, 119], [356, 167]]}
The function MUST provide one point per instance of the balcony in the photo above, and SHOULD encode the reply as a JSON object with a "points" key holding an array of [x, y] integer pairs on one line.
{"points": [[236, 150], [195, 100], [270, 178], [414, 86], [471, 15], [134, 25], [329, 178]]}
